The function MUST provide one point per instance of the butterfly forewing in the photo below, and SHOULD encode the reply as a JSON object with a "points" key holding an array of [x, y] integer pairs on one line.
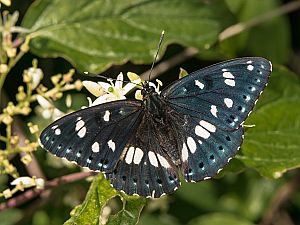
{"points": [[222, 94], [94, 137]]}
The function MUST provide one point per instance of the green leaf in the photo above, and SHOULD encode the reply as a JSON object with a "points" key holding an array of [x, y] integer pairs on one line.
{"points": [[132, 207], [89, 211], [161, 219], [259, 43], [256, 40], [10, 216], [100, 192], [94, 34], [234, 166], [272, 146], [201, 195], [182, 73], [220, 218]]}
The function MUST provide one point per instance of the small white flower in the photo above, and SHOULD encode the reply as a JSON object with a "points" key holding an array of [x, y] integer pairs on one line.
{"points": [[43, 102], [40, 183], [159, 84], [24, 181], [48, 110], [93, 87], [36, 75], [109, 91], [6, 2]]}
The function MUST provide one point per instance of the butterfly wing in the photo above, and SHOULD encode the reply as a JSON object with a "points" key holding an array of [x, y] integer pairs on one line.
{"points": [[94, 137], [145, 169], [224, 93], [213, 103]]}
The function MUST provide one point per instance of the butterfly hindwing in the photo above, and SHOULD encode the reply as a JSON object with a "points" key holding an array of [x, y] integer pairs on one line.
{"points": [[94, 137], [145, 169], [223, 94], [206, 149]]}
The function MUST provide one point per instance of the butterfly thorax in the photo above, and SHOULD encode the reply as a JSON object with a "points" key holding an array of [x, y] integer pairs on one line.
{"points": [[153, 103], [158, 119]]}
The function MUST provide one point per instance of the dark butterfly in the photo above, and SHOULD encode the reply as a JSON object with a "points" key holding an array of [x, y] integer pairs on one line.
{"points": [[194, 127]]}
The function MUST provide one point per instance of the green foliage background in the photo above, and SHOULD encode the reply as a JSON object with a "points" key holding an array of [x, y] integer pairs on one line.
{"points": [[121, 35]]}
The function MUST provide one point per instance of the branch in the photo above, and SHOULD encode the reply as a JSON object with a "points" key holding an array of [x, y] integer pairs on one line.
{"points": [[33, 167], [32, 193], [242, 26], [169, 63], [281, 197]]}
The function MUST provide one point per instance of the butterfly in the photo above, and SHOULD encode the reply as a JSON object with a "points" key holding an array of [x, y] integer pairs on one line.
{"points": [[192, 128]]}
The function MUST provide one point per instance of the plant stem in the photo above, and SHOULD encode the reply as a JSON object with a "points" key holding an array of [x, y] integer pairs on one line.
{"points": [[242, 26], [32, 193], [11, 64]]}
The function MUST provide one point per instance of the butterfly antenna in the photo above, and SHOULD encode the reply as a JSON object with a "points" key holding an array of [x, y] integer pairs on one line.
{"points": [[157, 51]]}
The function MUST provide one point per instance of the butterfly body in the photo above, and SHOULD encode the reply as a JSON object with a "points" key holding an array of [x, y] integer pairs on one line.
{"points": [[193, 127]]}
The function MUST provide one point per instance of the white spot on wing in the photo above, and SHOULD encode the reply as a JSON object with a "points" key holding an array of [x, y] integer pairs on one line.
{"points": [[79, 124], [152, 158], [81, 133], [249, 62], [106, 116], [95, 147], [153, 194], [213, 110], [208, 126], [138, 155], [184, 153], [57, 131], [54, 127], [201, 132], [250, 67], [191, 144], [111, 145], [230, 82], [129, 155], [228, 75], [228, 102], [163, 161], [199, 84]]}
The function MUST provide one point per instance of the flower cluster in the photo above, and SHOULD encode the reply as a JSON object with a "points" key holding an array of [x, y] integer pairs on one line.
{"points": [[110, 91], [15, 138], [21, 183]]}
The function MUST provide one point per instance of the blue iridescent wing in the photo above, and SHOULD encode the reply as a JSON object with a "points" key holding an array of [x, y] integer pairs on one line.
{"points": [[213, 103], [94, 137], [145, 169], [224, 93], [116, 138]]}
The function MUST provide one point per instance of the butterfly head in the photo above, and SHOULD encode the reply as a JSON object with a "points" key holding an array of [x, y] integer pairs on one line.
{"points": [[147, 90]]}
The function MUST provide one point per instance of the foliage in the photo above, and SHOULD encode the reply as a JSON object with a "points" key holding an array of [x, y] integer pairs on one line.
{"points": [[94, 36]]}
